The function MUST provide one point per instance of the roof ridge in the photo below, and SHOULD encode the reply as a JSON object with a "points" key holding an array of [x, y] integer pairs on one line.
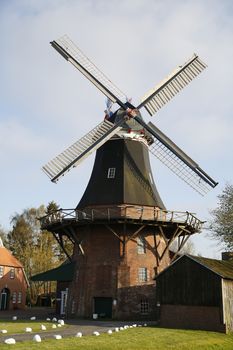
{"points": [[215, 265]]}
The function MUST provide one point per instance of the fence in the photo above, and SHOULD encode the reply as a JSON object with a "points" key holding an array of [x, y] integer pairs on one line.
{"points": [[122, 212]]}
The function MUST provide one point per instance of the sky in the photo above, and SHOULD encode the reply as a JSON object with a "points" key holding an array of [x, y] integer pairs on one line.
{"points": [[46, 105]]}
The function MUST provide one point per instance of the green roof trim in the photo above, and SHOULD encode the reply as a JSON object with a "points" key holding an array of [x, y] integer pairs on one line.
{"points": [[223, 268], [64, 272]]}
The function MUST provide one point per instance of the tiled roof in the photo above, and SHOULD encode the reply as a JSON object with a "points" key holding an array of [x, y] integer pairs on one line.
{"points": [[223, 268], [7, 259]]}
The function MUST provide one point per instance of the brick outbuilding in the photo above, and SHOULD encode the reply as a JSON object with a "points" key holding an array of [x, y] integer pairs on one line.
{"points": [[13, 281]]}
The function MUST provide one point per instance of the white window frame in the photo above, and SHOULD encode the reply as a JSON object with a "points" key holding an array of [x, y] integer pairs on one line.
{"points": [[111, 173], [14, 297], [19, 301], [12, 273], [142, 274], [1, 271], [144, 307], [141, 245]]}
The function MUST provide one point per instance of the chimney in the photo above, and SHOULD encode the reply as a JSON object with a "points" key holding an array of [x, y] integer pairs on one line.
{"points": [[227, 256]]}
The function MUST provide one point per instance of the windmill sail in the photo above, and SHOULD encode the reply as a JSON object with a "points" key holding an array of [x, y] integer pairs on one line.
{"points": [[74, 55], [178, 161], [172, 85], [77, 152], [162, 147]]}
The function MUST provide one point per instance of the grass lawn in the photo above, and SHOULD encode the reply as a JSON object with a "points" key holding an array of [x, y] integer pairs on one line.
{"points": [[14, 327], [137, 339]]}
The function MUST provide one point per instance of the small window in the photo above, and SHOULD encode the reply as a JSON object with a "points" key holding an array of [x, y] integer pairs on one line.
{"points": [[142, 274], [1, 271], [141, 245], [144, 307], [12, 273], [19, 297], [14, 296], [111, 173]]}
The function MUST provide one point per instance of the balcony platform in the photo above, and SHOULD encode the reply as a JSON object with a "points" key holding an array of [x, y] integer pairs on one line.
{"points": [[132, 214]]}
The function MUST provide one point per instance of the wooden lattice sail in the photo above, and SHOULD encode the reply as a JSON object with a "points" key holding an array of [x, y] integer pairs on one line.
{"points": [[160, 145]]}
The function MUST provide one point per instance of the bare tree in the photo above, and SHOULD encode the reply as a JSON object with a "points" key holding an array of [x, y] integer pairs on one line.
{"points": [[221, 225]]}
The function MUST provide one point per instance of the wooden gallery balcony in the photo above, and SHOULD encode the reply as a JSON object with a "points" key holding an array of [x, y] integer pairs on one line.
{"points": [[121, 214]]}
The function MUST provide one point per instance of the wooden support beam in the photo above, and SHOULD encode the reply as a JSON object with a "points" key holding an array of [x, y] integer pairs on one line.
{"points": [[162, 234], [135, 233], [77, 241], [176, 233], [180, 246], [114, 232], [180, 241], [60, 242], [185, 229], [69, 235], [156, 249]]}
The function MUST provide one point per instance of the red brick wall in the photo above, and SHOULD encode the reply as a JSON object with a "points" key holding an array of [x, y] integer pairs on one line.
{"points": [[16, 284], [105, 271], [192, 317]]}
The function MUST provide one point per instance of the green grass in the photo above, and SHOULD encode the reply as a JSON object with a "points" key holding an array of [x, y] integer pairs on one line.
{"points": [[137, 339], [14, 327]]}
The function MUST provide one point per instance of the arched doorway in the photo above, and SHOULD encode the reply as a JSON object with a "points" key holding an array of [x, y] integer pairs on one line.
{"points": [[4, 299]]}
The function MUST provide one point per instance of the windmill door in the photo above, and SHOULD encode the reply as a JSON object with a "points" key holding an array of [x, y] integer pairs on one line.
{"points": [[103, 307], [4, 299]]}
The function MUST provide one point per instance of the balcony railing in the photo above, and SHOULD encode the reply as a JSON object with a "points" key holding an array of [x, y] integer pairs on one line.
{"points": [[124, 213]]}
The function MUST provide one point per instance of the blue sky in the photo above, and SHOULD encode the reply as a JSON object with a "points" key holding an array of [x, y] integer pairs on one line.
{"points": [[45, 105]]}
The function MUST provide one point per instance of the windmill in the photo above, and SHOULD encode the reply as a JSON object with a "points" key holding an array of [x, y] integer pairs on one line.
{"points": [[120, 229], [159, 144]]}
